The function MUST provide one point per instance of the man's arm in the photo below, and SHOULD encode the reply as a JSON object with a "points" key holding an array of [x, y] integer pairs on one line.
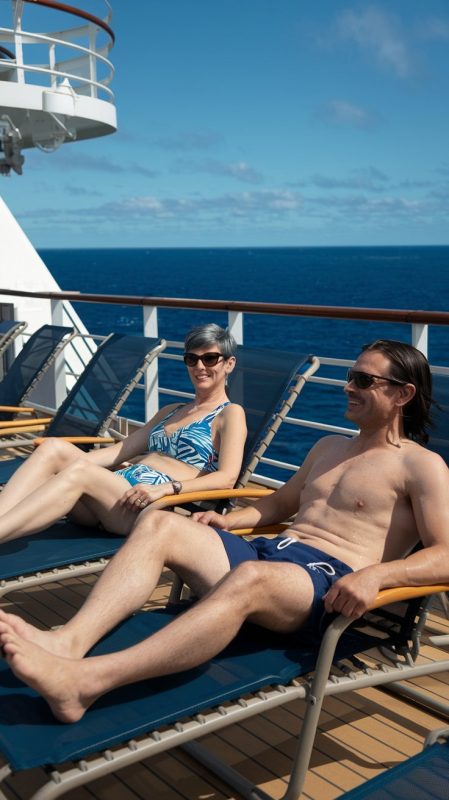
{"points": [[428, 487]]}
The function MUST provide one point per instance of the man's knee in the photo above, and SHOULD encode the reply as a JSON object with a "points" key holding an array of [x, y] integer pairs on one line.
{"points": [[155, 525], [247, 577]]}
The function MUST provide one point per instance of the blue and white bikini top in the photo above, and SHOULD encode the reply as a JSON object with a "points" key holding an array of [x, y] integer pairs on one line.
{"points": [[191, 443]]}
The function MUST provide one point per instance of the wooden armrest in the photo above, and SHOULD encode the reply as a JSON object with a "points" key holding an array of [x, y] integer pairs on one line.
{"points": [[209, 494], [24, 429], [79, 439], [398, 593], [24, 423], [19, 409], [264, 530]]}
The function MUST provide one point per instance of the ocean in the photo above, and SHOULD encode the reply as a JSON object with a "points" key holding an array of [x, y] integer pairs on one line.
{"points": [[377, 277]]}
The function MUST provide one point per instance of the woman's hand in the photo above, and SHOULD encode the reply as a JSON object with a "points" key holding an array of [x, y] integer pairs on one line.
{"points": [[141, 495]]}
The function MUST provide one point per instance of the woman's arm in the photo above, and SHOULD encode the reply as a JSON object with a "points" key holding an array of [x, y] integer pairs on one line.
{"points": [[232, 434]]}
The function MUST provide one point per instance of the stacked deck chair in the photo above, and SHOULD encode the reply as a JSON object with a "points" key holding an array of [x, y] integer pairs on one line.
{"points": [[265, 382], [86, 413], [32, 362], [422, 777]]}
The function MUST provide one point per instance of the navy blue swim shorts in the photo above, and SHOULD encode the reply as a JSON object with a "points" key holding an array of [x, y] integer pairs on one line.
{"points": [[322, 568]]}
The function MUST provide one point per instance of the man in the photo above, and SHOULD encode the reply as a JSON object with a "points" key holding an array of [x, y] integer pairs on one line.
{"points": [[361, 504]]}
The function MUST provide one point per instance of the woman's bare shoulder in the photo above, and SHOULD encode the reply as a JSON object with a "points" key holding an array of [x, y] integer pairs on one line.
{"points": [[231, 412]]}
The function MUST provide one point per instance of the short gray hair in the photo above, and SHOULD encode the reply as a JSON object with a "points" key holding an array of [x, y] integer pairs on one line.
{"points": [[211, 334]]}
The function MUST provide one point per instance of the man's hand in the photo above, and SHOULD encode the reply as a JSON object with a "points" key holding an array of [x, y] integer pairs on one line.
{"points": [[354, 593], [211, 518]]}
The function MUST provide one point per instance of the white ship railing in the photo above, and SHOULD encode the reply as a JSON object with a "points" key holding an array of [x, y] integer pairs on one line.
{"points": [[81, 69], [420, 323]]}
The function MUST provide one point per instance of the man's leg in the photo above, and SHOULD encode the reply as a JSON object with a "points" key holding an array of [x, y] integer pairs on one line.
{"points": [[160, 538], [276, 595]]}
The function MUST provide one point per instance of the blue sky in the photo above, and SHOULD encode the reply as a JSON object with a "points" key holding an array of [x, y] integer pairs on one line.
{"points": [[257, 122]]}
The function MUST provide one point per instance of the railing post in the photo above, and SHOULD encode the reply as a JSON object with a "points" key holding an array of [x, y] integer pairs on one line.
{"points": [[420, 337], [150, 328], [18, 10], [235, 325], [92, 60], [60, 384], [52, 65]]}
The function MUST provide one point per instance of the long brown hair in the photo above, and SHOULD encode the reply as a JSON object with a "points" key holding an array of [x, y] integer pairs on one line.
{"points": [[409, 365]]}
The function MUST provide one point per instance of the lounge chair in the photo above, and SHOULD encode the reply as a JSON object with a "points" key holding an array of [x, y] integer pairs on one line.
{"points": [[97, 396], [424, 776], [257, 672], [265, 382], [34, 359]]}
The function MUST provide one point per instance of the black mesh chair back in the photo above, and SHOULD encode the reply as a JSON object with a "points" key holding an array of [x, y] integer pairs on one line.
{"points": [[439, 433], [260, 383], [35, 357], [103, 387]]}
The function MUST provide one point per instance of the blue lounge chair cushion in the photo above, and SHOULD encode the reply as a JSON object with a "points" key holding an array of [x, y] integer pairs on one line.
{"points": [[422, 777], [29, 734], [61, 544]]}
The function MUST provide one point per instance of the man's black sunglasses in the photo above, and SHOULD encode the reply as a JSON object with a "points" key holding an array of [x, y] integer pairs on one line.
{"points": [[208, 359], [363, 380]]}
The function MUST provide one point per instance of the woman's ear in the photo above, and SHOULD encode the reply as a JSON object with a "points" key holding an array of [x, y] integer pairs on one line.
{"points": [[230, 364]]}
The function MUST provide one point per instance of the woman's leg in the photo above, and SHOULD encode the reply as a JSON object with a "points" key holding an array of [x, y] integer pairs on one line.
{"points": [[60, 493], [52, 456], [81, 514]]}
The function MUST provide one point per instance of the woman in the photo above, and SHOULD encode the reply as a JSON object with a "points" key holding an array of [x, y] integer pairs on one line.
{"points": [[193, 446]]}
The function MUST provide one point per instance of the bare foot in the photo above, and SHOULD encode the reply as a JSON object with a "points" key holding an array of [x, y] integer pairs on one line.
{"points": [[53, 641], [59, 680]]}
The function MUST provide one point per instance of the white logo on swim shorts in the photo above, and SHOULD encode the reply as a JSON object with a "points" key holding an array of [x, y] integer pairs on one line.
{"points": [[285, 543], [323, 566]]}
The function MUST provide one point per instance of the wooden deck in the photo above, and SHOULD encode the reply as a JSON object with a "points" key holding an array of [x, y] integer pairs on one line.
{"points": [[361, 733]]}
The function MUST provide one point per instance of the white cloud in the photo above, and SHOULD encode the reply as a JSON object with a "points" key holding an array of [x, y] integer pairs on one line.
{"points": [[340, 112], [378, 33], [371, 179], [240, 170], [434, 29]]}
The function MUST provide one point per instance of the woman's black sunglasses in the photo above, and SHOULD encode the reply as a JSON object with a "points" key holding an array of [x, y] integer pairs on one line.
{"points": [[363, 380], [208, 359]]}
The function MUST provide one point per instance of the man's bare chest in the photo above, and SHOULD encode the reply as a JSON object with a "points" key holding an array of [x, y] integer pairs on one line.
{"points": [[359, 484]]}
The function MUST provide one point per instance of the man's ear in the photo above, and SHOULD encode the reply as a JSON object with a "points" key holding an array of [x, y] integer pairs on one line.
{"points": [[406, 393]]}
